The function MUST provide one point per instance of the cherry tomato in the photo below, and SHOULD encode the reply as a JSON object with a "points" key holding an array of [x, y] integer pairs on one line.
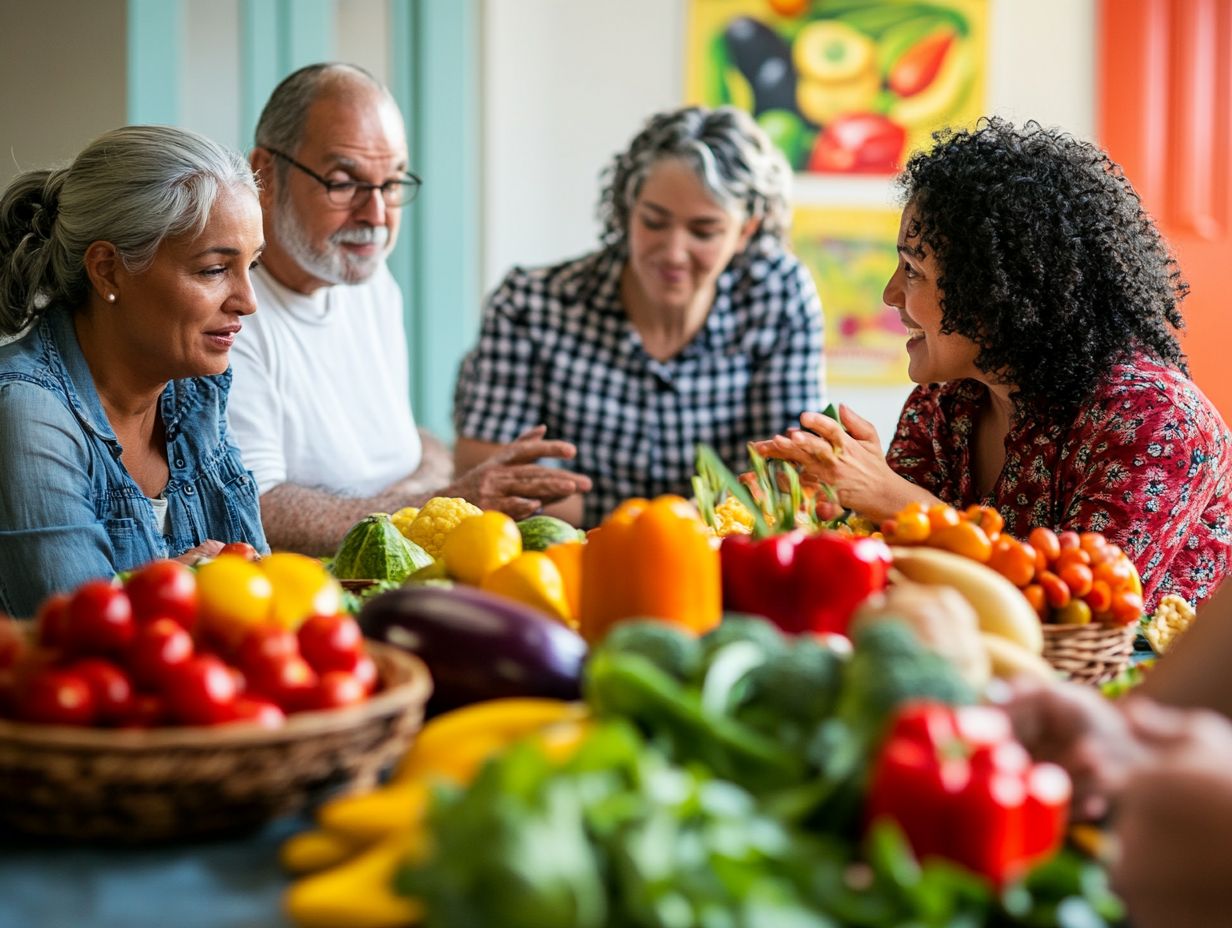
{"points": [[100, 619], [234, 595], [365, 671], [1036, 597], [941, 515], [1075, 612], [1116, 572], [1013, 559], [201, 692], [1078, 577], [288, 681], [52, 620], [110, 686], [1100, 597], [164, 589], [1092, 542], [336, 689], [159, 650], [52, 696], [259, 711], [1069, 540], [242, 548], [1045, 542], [1055, 589], [1126, 607], [331, 642], [909, 526], [965, 538], [266, 643], [986, 518], [1068, 557]]}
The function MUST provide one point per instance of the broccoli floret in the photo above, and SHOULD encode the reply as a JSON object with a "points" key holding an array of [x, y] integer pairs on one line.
{"points": [[666, 646], [889, 667], [739, 627], [800, 685]]}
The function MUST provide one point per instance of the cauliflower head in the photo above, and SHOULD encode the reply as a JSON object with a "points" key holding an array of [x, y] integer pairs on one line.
{"points": [[438, 517]]}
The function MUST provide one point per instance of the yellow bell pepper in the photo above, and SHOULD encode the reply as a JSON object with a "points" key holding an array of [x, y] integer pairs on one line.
{"points": [[650, 559]]}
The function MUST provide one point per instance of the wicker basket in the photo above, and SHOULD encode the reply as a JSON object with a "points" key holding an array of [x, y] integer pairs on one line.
{"points": [[1091, 653], [171, 783]]}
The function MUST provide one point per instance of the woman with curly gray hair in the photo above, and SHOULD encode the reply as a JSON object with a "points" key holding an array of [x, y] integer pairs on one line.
{"points": [[1041, 304], [692, 323], [123, 282]]}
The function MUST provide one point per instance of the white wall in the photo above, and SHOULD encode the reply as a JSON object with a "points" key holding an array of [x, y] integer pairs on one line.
{"points": [[567, 83]]}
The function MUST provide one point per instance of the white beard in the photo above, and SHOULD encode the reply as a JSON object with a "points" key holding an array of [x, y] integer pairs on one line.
{"points": [[332, 263]]}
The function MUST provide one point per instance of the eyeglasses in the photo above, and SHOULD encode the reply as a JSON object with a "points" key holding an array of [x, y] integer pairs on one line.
{"points": [[352, 194]]}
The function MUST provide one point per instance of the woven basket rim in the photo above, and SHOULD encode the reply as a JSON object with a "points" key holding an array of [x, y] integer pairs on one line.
{"points": [[415, 687], [1089, 630]]}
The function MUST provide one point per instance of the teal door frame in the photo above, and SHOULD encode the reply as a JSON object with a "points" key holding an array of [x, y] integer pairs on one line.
{"points": [[434, 55]]}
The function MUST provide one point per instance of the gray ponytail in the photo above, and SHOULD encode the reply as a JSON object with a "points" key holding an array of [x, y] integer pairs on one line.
{"points": [[132, 187]]}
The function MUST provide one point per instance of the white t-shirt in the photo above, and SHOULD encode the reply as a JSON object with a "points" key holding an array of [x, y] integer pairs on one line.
{"points": [[320, 390]]}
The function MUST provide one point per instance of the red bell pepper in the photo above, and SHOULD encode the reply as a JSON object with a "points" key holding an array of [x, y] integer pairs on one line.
{"points": [[859, 143], [802, 582], [960, 787]]}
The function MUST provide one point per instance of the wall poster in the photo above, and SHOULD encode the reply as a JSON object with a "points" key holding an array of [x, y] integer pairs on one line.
{"points": [[842, 86]]}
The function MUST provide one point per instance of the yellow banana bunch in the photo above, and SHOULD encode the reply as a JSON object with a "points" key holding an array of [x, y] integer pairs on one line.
{"points": [[348, 863], [1009, 627]]}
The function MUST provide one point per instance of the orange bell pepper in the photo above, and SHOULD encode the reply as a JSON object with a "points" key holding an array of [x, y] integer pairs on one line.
{"points": [[650, 559]]}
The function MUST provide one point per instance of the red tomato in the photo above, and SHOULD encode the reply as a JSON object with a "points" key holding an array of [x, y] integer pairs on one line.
{"points": [[336, 689], [288, 681], [1037, 598], [331, 642], [159, 650], [1045, 542], [1069, 541], [52, 620], [1099, 598], [1126, 607], [1055, 589], [100, 619], [255, 710], [264, 644], [111, 687], [164, 589], [56, 697], [201, 692], [242, 548], [1078, 577], [1013, 560], [365, 671]]}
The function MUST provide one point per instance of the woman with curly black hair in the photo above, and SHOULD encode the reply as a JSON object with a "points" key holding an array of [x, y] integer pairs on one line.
{"points": [[1041, 304]]}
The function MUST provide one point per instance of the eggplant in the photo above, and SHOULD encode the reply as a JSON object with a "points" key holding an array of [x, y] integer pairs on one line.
{"points": [[478, 646], [763, 57]]}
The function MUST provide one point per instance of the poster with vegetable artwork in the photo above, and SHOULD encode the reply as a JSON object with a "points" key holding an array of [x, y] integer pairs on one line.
{"points": [[851, 254], [842, 86]]}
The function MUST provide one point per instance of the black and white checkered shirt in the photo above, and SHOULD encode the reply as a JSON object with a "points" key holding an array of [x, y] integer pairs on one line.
{"points": [[557, 347]]}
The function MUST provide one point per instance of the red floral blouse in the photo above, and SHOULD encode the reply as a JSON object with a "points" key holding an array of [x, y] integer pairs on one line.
{"points": [[1146, 463]]}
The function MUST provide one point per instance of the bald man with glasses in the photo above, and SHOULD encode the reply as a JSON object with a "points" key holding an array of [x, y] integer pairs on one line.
{"points": [[320, 401]]}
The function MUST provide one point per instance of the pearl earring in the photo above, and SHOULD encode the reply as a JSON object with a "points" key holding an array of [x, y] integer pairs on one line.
{"points": [[110, 297]]}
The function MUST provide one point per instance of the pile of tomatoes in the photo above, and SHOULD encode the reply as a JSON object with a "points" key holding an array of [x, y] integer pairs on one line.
{"points": [[1068, 577], [156, 650]]}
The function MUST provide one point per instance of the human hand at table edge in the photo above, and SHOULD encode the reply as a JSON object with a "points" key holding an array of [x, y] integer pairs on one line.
{"points": [[207, 549], [507, 477], [847, 457]]}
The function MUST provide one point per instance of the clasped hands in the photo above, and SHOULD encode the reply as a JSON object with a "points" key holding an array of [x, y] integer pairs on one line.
{"points": [[510, 479]]}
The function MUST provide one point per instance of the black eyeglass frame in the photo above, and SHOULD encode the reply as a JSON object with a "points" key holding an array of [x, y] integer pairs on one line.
{"points": [[360, 190]]}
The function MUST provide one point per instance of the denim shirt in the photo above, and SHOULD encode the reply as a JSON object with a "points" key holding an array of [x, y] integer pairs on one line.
{"points": [[69, 510]]}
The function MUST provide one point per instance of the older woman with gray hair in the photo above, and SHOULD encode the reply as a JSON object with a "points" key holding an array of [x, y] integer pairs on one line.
{"points": [[691, 323], [124, 278]]}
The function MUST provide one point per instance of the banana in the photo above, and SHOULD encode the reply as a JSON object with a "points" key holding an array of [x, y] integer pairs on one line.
{"points": [[1009, 660], [999, 606]]}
